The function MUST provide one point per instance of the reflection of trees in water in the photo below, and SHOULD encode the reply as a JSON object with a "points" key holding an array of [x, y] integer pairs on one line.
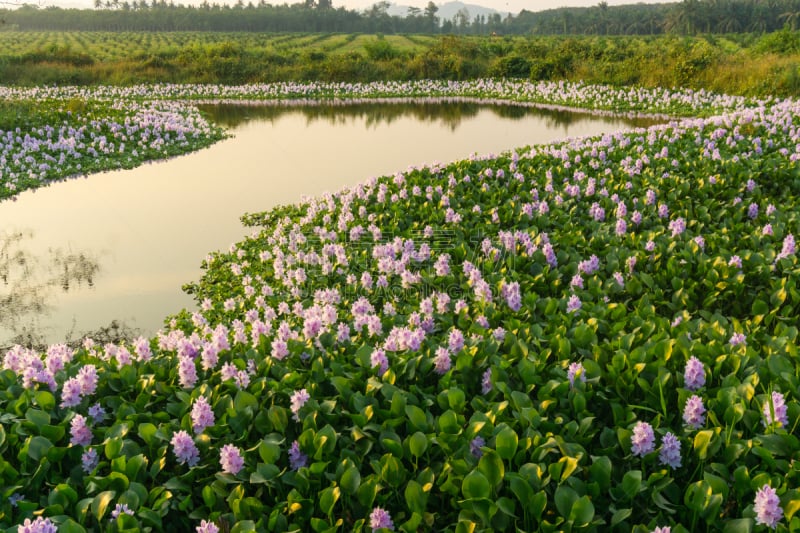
{"points": [[116, 332], [28, 281], [373, 114], [448, 113], [20, 294], [74, 268]]}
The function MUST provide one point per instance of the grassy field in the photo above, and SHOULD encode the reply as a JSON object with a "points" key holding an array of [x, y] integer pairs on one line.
{"points": [[746, 64]]}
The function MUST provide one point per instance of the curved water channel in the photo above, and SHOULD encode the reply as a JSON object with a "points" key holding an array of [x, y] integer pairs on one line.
{"points": [[117, 247]]}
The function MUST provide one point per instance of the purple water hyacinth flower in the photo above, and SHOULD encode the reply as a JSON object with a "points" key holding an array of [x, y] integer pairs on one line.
{"points": [[621, 227], [483, 292], [694, 375], [202, 415], [752, 210], [475, 447], [576, 281], [512, 295], [619, 279], [456, 341], [663, 211], [662, 529], [499, 334], [636, 218], [71, 393], [677, 226], [767, 506], [442, 265], [187, 372], [767, 230], [280, 349], [40, 525], [694, 412], [550, 255], [631, 264], [649, 246], [89, 460], [788, 247], [87, 377], [378, 359], [380, 519], [209, 356], [776, 406], [643, 440], [342, 332], [597, 212], [735, 261], [486, 381], [15, 498], [231, 460], [80, 433], [298, 400], [737, 339], [442, 360], [184, 448], [576, 370], [97, 413], [120, 509], [207, 527], [700, 242], [297, 459], [670, 453], [573, 304], [589, 266]]}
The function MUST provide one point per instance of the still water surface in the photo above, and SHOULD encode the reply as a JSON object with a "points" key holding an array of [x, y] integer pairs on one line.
{"points": [[119, 245]]}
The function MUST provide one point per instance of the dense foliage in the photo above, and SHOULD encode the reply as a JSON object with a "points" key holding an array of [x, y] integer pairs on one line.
{"points": [[596, 334], [686, 17], [747, 64]]}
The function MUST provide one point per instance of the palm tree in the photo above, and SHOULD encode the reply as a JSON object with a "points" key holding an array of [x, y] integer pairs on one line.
{"points": [[603, 6], [683, 18], [791, 18]]}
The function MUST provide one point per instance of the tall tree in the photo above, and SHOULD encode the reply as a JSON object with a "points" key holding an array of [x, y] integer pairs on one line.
{"points": [[430, 15]]}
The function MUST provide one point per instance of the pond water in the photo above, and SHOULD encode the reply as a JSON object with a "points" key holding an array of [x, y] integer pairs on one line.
{"points": [[117, 247]]}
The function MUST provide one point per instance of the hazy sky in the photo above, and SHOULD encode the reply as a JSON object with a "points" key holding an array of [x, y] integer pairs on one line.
{"points": [[513, 6]]}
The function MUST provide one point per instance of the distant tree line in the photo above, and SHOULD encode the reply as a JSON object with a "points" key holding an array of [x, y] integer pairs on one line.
{"points": [[687, 17]]}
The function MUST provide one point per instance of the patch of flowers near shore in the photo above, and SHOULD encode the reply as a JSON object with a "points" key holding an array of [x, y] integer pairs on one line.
{"points": [[598, 334], [674, 101], [98, 137]]}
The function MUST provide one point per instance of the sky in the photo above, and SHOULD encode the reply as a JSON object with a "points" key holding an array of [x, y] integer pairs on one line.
{"points": [[511, 6]]}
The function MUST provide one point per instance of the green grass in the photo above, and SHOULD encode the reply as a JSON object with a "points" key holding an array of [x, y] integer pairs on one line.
{"points": [[734, 64]]}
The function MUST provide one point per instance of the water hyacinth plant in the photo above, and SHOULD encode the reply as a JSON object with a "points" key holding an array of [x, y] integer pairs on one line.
{"points": [[341, 373]]}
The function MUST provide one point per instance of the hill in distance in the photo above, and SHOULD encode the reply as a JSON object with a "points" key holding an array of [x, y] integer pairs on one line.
{"points": [[448, 10]]}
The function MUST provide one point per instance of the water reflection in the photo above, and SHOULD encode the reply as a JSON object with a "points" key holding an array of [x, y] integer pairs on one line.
{"points": [[29, 281], [450, 113]]}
